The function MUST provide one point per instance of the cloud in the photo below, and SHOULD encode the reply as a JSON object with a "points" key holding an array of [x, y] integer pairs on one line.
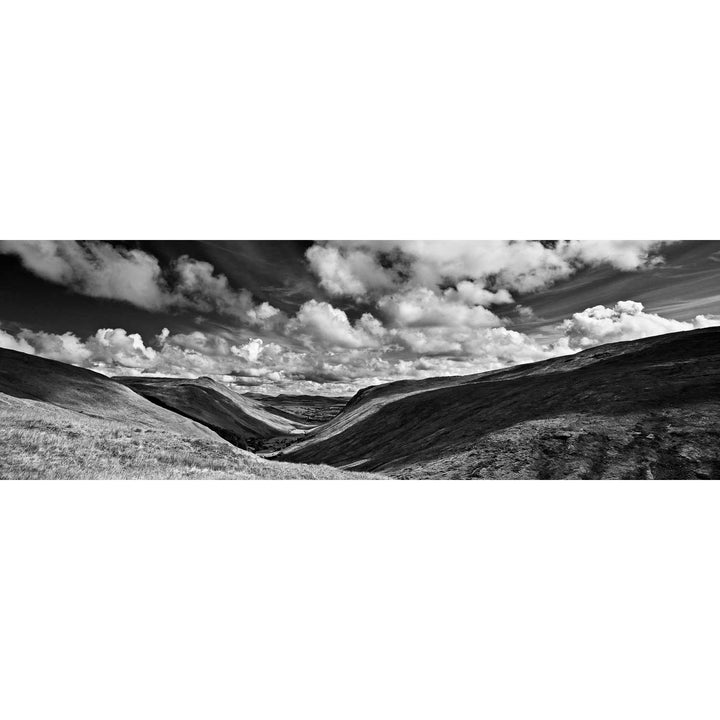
{"points": [[514, 266], [106, 348], [67, 348], [346, 270], [525, 312], [10, 342], [263, 313], [438, 298], [421, 307], [626, 255], [431, 341], [502, 347], [200, 342], [429, 299], [100, 269], [197, 286], [627, 320], [251, 350], [473, 293], [362, 270], [115, 347], [323, 351], [96, 269], [320, 322]]}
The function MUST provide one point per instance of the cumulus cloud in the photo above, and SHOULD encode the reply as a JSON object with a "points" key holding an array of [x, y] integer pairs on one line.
{"points": [[514, 266], [67, 348], [626, 320], [361, 270], [320, 322], [421, 307], [10, 342], [115, 346], [428, 293], [340, 356], [473, 293], [349, 270], [251, 350], [106, 348], [200, 342]]}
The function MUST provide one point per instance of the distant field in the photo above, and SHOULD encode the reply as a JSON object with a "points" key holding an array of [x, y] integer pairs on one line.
{"points": [[43, 441], [316, 409]]}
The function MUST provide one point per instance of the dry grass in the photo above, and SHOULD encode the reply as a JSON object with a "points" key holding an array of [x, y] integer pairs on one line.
{"points": [[674, 443], [42, 441]]}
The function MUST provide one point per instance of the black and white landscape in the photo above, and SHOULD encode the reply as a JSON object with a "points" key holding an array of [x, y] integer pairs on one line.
{"points": [[344, 360]]}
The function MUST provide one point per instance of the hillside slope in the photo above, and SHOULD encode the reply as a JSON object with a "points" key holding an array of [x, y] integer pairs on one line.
{"points": [[647, 408], [238, 418], [86, 392]]}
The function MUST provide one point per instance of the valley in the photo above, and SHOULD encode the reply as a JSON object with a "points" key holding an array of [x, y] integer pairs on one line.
{"points": [[643, 409]]}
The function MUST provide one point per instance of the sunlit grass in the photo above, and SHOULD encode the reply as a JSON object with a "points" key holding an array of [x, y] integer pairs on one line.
{"points": [[42, 441]]}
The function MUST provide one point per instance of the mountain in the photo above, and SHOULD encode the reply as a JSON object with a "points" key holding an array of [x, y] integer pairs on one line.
{"points": [[86, 392], [60, 421], [647, 408], [240, 419]]}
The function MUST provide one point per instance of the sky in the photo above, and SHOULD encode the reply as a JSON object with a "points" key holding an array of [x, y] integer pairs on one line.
{"points": [[332, 317]]}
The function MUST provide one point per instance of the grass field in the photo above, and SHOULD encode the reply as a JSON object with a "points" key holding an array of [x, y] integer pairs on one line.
{"points": [[42, 441]]}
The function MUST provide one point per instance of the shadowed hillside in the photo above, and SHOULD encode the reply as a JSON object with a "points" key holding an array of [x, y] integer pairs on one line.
{"points": [[642, 409], [59, 421], [240, 419], [86, 392]]}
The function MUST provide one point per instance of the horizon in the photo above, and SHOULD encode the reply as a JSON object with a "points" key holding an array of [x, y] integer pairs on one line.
{"points": [[252, 391], [330, 317]]}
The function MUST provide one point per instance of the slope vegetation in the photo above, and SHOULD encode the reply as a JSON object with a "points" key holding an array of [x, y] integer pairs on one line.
{"points": [[240, 419], [86, 392], [642, 409], [59, 421]]}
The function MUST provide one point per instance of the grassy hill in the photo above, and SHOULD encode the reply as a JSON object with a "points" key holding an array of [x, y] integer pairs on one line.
{"points": [[642, 409], [59, 421], [86, 392], [240, 419]]}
